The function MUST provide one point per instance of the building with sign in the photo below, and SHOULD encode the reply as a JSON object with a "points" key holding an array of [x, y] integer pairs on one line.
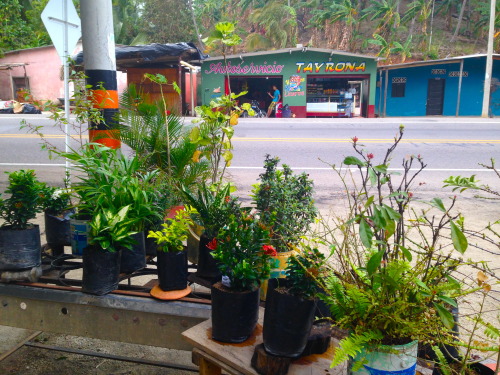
{"points": [[313, 82], [448, 87]]}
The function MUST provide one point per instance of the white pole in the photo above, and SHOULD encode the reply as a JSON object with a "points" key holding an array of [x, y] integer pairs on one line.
{"points": [[66, 86], [489, 62]]}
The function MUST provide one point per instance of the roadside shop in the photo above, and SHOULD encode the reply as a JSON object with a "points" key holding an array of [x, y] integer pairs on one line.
{"points": [[313, 82]]}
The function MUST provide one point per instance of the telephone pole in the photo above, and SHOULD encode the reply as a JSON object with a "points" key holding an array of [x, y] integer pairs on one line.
{"points": [[100, 68], [489, 62]]}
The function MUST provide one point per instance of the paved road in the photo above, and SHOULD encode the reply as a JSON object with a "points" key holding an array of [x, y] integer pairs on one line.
{"points": [[450, 146]]}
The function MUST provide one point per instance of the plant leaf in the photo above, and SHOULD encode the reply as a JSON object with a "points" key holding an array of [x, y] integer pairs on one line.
{"points": [[365, 233], [374, 262], [438, 203], [352, 160], [459, 241], [445, 315]]}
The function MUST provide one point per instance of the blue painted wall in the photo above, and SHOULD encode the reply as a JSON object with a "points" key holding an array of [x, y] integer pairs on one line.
{"points": [[417, 79]]}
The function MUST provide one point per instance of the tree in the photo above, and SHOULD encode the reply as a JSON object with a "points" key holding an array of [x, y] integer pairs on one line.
{"points": [[126, 14], [386, 12], [385, 46], [404, 50], [343, 15], [419, 10], [167, 21], [16, 31], [277, 22]]}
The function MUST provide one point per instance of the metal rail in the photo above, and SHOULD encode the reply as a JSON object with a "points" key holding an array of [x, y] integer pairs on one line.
{"points": [[125, 316]]}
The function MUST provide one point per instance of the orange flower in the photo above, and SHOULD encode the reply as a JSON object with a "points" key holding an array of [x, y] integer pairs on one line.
{"points": [[18, 205]]}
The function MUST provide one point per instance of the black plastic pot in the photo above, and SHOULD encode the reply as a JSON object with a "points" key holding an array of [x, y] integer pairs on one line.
{"points": [[58, 232], [134, 259], [234, 314], [172, 270], [287, 323], [101, 270], [20, 249], [207, 265]]}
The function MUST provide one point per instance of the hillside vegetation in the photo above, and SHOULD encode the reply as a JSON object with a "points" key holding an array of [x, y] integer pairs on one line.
{"points": [[399, 30]]}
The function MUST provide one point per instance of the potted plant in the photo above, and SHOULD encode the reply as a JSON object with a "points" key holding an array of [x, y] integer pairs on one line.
{"points": [[20, 246], [290, 307], [213, 207], [172, 262], [242, 251], [284, 202], [57, 215], [394, 281], [111, 181], [110, 233]]}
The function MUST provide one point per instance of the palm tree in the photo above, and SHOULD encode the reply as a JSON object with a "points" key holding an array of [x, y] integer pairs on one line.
{"points": [[277, 22], [343, 12], [386, 12], [419, 10]]}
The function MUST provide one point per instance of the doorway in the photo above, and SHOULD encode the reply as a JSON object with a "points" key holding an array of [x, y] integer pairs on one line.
{"points": [[435, 97], [257, 89]]}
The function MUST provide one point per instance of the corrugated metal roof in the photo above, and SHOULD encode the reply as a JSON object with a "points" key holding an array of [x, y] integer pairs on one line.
{"points": [[450, 60], [290, 50]]}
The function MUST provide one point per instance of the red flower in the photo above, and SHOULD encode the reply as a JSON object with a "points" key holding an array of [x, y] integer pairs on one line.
{"points": [[410, 194], [354, 140], [370, 156], [269, 250], [227, 199], [212, 245]]}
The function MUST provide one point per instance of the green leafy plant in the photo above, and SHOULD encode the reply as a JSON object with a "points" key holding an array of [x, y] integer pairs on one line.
{"points": [[174, 232], [25, 200], [56, 200], [213, 207], [285, 204], [160, 140], [112, 230], [242, 252], [213, 134], [303, 271], [395, 277], [111, 181], [215, 130]]}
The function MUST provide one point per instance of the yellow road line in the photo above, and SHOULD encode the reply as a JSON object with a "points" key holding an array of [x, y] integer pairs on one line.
{"points": [[302, 140]]}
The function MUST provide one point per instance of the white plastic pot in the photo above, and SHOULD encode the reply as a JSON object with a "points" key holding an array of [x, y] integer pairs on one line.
{"points": [[398, 360]]}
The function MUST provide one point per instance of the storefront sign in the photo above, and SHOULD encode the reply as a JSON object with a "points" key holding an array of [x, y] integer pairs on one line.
{"points": [[219, 68], [293, 86], [330, 67]]}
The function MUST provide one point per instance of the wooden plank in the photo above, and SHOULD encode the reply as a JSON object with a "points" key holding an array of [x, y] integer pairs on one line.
{"points": [[238, 356]]}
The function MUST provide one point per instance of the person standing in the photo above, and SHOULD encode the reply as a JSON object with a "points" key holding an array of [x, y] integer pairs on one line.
{"points": [[276, 98]]}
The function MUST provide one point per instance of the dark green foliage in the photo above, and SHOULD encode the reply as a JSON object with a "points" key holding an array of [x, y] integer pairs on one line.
{"points": [[239, 251], [159, 140], [285, 204], [304, 269], [25, 200], [213, 207]]}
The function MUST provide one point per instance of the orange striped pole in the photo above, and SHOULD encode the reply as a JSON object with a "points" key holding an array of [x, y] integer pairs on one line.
{"points": [[100, 68]]}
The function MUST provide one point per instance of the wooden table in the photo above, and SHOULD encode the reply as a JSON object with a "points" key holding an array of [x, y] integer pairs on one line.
{"points": [[214, 357]]}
